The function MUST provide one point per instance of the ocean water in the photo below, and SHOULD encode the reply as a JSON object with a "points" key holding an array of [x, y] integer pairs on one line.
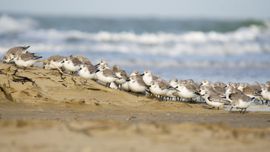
{"points": [[214, 49]]}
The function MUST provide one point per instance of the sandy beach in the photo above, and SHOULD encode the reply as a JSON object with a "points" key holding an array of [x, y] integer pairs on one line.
{"points": [[40, 110]]}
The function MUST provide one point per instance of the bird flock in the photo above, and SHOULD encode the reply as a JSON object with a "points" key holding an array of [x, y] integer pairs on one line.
{"points": [[214, 94]]}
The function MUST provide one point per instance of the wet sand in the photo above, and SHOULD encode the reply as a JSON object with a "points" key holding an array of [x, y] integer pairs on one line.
{"points": [[42, 111]]}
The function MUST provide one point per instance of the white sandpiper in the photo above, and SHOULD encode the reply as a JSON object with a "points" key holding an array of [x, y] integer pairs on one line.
{"points": [[219, 88], [121, 75], [26, 59], [102, 64], [212, 98], [87, 71], [238, 99], [12, 52], [122, 78], [250, 90], [158, 89], [53, 62], [265, 92], [187, 89], [105, 75], [148, 77], [173, 83], [136, 83], [71, 64], [83, 59]]}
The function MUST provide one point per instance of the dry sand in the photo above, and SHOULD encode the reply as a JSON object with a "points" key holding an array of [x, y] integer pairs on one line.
{"points": [[42, 111]]}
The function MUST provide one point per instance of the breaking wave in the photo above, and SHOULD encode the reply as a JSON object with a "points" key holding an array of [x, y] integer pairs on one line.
{"points": [[248, 39], [11, 25], [239, 54]]}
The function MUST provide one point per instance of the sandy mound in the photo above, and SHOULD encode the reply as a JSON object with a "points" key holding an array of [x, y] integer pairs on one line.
{"points": [[36, 85], [44, 111]]}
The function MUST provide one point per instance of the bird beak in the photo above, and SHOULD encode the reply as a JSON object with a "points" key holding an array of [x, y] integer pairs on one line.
{"points": [[97, 65]]}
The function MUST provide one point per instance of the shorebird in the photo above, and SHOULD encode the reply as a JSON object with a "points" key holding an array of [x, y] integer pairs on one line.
{"points": [[159, 88], [12, 52], [26, 59], [163, 90], [205, 83], [125, 86], [54, 62], [267, 83], [148, 77], [121, 75], [265, 92], [212, 98], [219, 88], [71, 64], [231, 87], [172, 94], [173, 83], [187, 89], [113, 85], [87, 71], [250, 90], [238, 99], [105, 75], [136, 83], [83, 59], [102, 63]]}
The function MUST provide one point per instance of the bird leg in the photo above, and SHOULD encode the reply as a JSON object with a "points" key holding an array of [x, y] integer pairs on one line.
{"points": [[242, 110], [231, 108]]}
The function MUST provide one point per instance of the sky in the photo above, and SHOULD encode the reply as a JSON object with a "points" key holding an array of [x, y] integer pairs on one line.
{"points": [[141, 8]]}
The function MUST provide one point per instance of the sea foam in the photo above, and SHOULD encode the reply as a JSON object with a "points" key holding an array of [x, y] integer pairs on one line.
{"points": [[250, 39], [12, 25], [239, 54]]}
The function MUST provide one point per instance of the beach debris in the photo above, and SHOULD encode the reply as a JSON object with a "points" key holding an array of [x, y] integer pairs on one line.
{"points": [[7, 93], [22, 79], [131, 118]]}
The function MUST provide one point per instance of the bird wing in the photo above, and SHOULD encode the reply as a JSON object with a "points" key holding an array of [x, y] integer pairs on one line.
{"points": [[108, 73], [29, 56], [76, 61]]}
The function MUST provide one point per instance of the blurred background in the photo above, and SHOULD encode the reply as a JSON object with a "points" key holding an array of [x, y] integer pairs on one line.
{"points": [[217, 40]]}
